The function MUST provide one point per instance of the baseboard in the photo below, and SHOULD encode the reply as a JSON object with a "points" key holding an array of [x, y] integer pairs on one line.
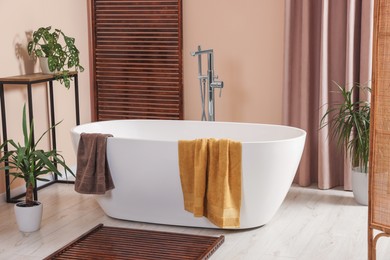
{"points": [[69, 176]]}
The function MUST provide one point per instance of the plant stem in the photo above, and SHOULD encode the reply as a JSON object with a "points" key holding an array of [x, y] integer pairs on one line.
{"points": [[29, 194]]}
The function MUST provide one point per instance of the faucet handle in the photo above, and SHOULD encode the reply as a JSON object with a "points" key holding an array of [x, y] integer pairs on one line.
{"points": [[217, 84], [220, 92]]}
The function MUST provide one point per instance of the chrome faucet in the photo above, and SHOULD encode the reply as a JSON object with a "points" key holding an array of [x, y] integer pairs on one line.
{"points": [[210, 79]]}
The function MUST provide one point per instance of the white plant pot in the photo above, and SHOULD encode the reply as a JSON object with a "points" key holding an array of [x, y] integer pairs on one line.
{"points": [[43, 62], [360, 186], [28, 218]]}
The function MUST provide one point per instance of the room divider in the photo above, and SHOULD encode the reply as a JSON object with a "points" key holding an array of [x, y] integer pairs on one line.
{"points": [[379, 176]]}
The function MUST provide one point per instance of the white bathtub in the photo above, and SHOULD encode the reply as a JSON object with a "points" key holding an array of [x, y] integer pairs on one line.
{"points": [[143, 159]]}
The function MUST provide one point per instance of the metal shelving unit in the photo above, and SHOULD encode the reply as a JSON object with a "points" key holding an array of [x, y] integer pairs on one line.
{"points": [[29, 80]]}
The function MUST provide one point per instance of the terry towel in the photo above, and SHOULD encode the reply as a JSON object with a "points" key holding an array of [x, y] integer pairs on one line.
{"points": [[210, 174], [93, 174]]}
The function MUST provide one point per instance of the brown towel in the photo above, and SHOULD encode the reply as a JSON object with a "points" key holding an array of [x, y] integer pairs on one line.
{"points": [[93, 175], [210, 172]]}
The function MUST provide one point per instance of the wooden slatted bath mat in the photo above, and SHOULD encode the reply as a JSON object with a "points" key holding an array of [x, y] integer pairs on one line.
{"points": [[103, 242]]}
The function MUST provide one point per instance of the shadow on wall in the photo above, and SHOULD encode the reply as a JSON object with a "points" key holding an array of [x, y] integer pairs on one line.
{"points": [[26, 63]]}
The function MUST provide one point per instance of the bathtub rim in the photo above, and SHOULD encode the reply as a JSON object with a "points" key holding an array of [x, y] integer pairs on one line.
{"points": [[302, 133]]}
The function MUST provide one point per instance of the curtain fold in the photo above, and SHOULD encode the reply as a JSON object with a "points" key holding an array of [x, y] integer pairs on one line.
{"points": [[326, 42]]}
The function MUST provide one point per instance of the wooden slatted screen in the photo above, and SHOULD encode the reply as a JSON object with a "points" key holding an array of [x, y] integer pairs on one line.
{"points": [[137, 57]]}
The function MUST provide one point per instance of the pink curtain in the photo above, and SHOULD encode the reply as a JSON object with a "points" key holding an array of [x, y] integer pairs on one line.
{"points": [[326, 41]]}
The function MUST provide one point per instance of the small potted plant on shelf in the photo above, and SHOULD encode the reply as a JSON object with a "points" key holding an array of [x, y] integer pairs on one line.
{"points": [[27, 162], [57, 53], [349, 123]]}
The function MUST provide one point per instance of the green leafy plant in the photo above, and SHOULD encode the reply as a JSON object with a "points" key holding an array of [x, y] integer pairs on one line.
{"points": [[30, 163], [349, 123], [60, 50]]}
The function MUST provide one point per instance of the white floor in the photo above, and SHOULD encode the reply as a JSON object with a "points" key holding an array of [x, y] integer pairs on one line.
{"points": [[311, 224]]}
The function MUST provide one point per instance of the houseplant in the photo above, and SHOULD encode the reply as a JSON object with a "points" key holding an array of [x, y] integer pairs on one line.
{"points": [[60, 50], [349, 123], [30, 164]]}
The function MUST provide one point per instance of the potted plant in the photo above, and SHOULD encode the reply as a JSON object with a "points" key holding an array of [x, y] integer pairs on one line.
{"points": [[59, 51], [349, 123], [29, 163]]}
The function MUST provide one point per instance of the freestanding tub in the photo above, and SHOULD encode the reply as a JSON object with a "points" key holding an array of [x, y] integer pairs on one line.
{"points": [[143, 159]]}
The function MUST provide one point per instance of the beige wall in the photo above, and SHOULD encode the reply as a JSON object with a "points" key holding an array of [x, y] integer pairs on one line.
{"points": [[17, 19], [247, 38]]}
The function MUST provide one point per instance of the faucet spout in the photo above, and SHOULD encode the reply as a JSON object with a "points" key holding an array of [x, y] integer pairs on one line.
{"points": [[200, 52]]}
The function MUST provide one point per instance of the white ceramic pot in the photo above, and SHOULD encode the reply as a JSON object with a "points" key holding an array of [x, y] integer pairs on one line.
{"points": [[43, 62], [360, 186], [28, 218]]}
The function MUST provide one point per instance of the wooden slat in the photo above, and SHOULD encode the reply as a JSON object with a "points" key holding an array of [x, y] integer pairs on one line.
{"points": [[137, 59]]}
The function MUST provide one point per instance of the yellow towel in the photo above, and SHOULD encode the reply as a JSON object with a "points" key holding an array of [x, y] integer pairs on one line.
{"points": [[224, 183], [210, 173], [193, 166]]}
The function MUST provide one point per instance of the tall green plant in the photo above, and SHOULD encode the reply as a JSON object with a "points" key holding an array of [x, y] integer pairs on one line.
{"points": [[29, 163], [62, 56], [349, 123]]}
